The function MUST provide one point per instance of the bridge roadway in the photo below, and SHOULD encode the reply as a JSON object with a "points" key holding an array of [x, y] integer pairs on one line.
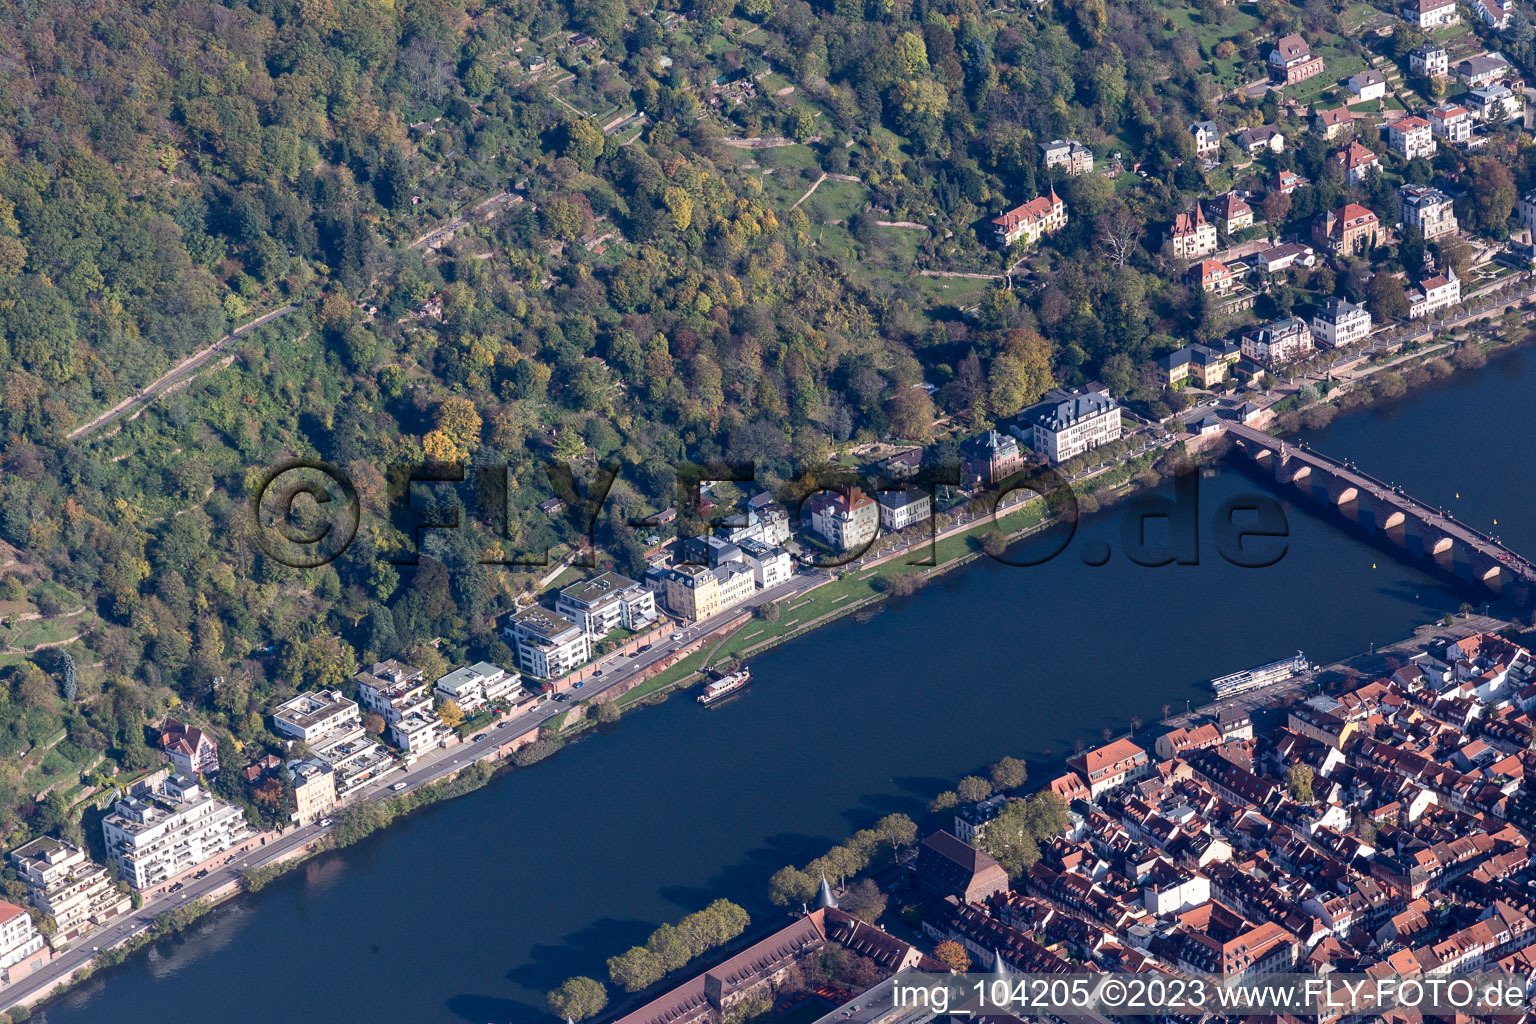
{"points": [[1519, 568]]}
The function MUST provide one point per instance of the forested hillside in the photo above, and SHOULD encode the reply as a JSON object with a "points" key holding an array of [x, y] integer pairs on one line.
{"points": [[733, 275]]}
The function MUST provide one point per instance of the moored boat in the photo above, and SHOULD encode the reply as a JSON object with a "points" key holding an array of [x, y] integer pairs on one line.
{"points": [[725, 686]]}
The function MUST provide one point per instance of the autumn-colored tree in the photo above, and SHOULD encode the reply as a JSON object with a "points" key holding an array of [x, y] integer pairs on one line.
{"points": [[952, 955], [449, 711]]}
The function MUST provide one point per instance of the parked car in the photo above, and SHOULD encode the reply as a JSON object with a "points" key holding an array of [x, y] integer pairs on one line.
{"points": [[177, 887], [477, 737], [580, 685], [645, 648]]}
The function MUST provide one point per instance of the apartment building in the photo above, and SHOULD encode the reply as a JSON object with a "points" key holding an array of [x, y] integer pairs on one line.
{"points": [[332, 727], [547, 643], [21, 947], [1429, 60], [193, 751], [1068, 423], [696, 592], [1232, 212], [314, 789], [900, 509], [1526, 211], [1494, 103], [847, 519], [1212, 276], [1278, 341], [1027, 224], [1357, 161], [1348, 231], [1427, 209], [1291, 61], [1434, 294], [1111, 766], [1428, 14], [400, 695], [315, 715], [1200, 364], [65, 884], [169, 825], [1338, 322], [1451, 122], [472, 687], [1411, 137], [771, 565], [1068, 154], [1192, 236], [605, 602]]}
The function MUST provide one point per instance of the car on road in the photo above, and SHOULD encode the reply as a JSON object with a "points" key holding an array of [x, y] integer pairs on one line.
{"points": [[201, 874], [397, 787], [327, 822], [177, 887], [477, 737], [676, 637], [645, 648], [580, 685]]}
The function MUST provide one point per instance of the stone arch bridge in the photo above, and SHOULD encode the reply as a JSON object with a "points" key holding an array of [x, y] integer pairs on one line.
{"points": [[1415, 527]]}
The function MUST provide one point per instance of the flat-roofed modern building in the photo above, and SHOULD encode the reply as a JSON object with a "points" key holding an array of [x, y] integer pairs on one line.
{"points": [[332, 726], [474, 686], [402, 697], [68, 886], [166, 827], [548, 644], [315, 715], [605, 602]]}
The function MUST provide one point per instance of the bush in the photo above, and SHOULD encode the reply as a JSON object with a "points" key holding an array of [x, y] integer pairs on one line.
{"points": [[535, 752]]}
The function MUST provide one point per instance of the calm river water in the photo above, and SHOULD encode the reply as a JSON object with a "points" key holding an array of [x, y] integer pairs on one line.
{"points": [[471, 910]]}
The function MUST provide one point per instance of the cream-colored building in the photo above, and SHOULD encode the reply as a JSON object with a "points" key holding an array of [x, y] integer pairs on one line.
{"points": [[1193, 235], [65, 884], [847, 519], [1068, 423], [314, 789], [697, 592]]}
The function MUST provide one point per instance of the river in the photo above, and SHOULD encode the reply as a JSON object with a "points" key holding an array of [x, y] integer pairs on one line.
{"points": [[470, 910]]}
